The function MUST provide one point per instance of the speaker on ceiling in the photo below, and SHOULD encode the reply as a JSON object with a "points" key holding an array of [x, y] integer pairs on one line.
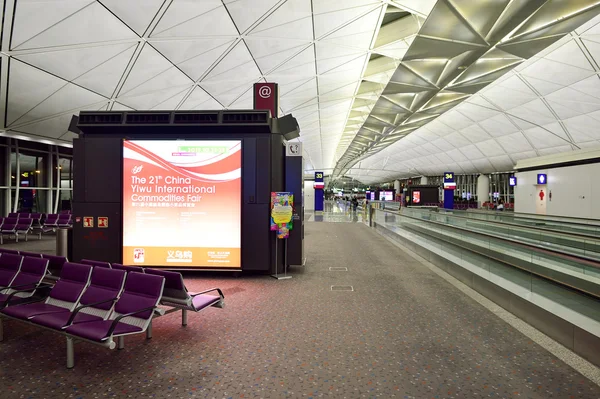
{"points": [[73, 125], [287, 125]]}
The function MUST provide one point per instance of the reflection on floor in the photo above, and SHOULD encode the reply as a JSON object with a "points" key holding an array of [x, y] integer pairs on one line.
{"points": [[336, 212]]}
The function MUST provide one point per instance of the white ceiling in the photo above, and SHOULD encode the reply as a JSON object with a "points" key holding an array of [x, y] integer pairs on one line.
{"points": [[334, 62], [547, 105], [62, 56]]}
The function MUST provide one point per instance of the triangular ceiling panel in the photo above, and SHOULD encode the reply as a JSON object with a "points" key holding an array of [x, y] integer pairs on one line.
{"points": [[445, 23], [72, 63], [150, 100], [339, 15], [292, 20], [69, 97], [32, 18], [472, 12], [104, 78], [359, 33], [136, 13], [92, 24], [27, 88], [247, 12], [213, 21], [271, 53]]}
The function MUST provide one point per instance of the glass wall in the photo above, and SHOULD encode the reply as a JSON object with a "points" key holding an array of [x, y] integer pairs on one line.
{"points": [[34, 177]]}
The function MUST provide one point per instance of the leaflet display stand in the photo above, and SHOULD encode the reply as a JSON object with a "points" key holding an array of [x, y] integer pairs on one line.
{"points": [[282, 210], [285, 275]]}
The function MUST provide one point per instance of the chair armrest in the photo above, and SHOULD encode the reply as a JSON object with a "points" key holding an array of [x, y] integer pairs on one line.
{"points": [[41, 285], [34, 286], [116, 321], [209, 290], [30, 300], [70, 321]]}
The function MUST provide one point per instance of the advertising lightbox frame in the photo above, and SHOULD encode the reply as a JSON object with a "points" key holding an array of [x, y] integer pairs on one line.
{"points": [[240, 142]]}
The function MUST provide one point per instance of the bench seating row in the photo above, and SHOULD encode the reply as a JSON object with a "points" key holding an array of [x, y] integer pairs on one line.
{"points": [[94, 304]]}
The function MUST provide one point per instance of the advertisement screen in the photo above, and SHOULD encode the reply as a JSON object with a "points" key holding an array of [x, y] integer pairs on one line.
{"points": [[387, 196], [372, 196], [182, 203], [416, 197]]}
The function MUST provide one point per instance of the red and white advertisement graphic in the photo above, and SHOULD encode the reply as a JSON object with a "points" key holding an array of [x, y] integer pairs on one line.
{"points": [[182, 203]]}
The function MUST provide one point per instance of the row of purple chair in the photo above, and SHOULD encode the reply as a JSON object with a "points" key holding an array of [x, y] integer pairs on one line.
{"points": [[23, 287], [176, 294], [55, 263], [93, 304], [17, 228], [54, 221]]}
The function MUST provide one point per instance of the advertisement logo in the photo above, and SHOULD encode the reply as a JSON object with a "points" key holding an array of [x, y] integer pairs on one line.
{"points": [[138, 255], [264, 92], [136, 169]]}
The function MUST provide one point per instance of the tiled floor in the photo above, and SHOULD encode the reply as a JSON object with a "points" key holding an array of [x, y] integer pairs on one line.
{"points": [[403, 332]]}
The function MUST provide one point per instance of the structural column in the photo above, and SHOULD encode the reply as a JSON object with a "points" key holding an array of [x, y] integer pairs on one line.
{"points": [[423, 180], [483, 189], [397, 186]]}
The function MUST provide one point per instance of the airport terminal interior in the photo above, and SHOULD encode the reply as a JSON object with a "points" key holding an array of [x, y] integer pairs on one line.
{"points": [[300, 199]]}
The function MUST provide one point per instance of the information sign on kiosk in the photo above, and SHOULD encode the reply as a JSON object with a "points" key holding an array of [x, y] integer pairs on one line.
{"points": [[282, 211], [449, 187]]}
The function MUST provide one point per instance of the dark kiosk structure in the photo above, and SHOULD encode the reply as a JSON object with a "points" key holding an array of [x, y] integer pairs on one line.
{"points": [[98, 175]]}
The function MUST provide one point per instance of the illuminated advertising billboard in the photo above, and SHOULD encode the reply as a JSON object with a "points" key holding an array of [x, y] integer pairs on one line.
{"points": [[387, 195], [182, 203], [416, 197]]}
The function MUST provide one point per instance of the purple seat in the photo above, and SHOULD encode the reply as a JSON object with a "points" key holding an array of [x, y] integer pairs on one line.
{"points": [[51, 222], [96, 263], [64, 295], [23, 228], [96, 303], [9, 251], [176, 294], [127, 269], [9, 268], [8, 227], [13, 215], [133, 311], [26, 281], [30, 254], [23, 215], [55, 264]]}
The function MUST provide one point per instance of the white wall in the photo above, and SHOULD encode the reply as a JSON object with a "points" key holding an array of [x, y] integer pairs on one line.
{"points": [[309, 195], [574, 190]]}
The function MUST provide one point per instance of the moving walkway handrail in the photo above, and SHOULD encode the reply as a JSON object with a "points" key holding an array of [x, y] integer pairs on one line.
{"points": [[530, 216], [565, 255], [597, 238], [578, 289]]}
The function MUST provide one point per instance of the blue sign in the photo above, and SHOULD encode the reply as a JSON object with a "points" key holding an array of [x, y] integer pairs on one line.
{"points": [[512, 181], [542, 178], [448, 177]]}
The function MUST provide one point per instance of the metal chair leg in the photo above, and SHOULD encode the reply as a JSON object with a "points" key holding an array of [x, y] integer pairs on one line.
{"points": [[120, 342], [149, 331], [70, 353], [184, 317]]}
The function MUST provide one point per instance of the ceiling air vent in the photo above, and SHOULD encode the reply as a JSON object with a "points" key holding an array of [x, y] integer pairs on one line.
{"points": [[196, 118], [100, 118], [245, 117], [153, 118]]}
